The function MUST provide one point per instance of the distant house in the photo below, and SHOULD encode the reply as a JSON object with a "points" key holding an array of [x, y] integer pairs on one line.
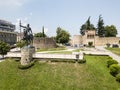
{"points": [[90, 36]]}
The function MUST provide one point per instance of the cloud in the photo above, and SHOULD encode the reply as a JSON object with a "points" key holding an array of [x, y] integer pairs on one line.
{"points": [[8, 3]]}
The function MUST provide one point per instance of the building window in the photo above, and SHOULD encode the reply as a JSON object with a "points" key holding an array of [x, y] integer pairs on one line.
{"points": [[90, 36]]}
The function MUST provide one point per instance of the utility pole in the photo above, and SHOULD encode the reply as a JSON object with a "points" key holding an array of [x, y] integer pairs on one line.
{"points": [[20, 28]]}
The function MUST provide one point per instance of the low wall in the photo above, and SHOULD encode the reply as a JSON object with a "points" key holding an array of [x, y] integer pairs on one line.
{"points": [[52, 56], [44, 43], [100, 41]]}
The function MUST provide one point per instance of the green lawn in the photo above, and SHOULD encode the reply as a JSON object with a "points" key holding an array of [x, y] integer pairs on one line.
{"points": [[94, 75], [51, 49], [114, 50], [65, 52], [61, 52]]}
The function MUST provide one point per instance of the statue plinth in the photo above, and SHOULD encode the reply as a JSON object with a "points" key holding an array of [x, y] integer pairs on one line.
{"points": [[27, 54]]}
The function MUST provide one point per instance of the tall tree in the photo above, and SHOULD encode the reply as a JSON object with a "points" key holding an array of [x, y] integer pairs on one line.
{"points": [[86, 26], [43, 31], [100, 27], [110, 31], [41, 34], [4, 48], [62, 36]]}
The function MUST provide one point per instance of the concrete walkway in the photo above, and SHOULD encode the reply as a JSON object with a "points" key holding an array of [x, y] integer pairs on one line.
{"points": [[114, 56]]}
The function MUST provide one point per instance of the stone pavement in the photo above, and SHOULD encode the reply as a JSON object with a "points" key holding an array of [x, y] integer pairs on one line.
{"points": [[114, 56]]}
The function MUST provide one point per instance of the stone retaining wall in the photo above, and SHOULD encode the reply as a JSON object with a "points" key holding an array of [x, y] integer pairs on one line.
{"points": [[44, 43]]}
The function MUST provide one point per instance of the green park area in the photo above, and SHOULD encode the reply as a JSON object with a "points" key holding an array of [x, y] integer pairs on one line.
{"points": [[52, 49], [92, 75], [114, 50], [58, 50]]}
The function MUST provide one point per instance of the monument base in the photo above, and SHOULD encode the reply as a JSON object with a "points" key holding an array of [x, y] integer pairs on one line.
{"points": [[27, 54]]}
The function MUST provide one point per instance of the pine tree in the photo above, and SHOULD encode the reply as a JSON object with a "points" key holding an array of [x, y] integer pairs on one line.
{"points": [[43, 31], [86, 26], [100, 27]]}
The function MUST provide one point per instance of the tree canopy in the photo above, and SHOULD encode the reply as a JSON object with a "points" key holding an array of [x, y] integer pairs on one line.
{"points": [[41, 34], [62, 36], [86, 26], [4, 48], [110, 31], [102, 31], [21, 43]]}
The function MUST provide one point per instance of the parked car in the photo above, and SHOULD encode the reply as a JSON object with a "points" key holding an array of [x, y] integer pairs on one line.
{"points": [[115, 46]]}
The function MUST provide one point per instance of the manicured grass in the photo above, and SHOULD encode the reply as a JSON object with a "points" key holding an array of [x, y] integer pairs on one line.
{"points": [[77, 50], [65, 52], [94, 75], [114, 50], [61, 52], [51, 49]]}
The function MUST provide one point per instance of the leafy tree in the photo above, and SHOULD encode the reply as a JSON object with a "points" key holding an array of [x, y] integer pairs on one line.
{"points": [[4, 48], [110, 31], [100, 27], [41, 34], [86, 26], [82, 29], [38, 34], [62, 36], [21, 43]]}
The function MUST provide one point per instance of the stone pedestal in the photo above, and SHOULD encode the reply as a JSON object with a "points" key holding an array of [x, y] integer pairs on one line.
{"points": [[27, 54]]}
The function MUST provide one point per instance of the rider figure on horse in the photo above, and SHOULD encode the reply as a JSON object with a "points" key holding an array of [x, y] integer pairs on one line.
{"points": [[28, 36]]}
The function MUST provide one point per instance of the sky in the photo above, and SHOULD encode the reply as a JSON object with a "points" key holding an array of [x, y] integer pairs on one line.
{"points": [[67, 14]]}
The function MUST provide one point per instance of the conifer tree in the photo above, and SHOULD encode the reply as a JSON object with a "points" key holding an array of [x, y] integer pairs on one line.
{"points": [[86, 26], [100, 27]]}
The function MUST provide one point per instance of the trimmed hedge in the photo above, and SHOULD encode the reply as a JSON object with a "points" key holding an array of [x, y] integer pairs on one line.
{"points": [[110, 62], [63, 60], [118, 77], [81, 61], [114, 69]]}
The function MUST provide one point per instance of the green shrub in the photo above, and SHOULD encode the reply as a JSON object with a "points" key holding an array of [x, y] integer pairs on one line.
{"points": [[90, 44], [82, 61], [110, 62], [109, 58], [108, 45], [26, 66], [114, 69], [63, 60], [118, 77]]}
